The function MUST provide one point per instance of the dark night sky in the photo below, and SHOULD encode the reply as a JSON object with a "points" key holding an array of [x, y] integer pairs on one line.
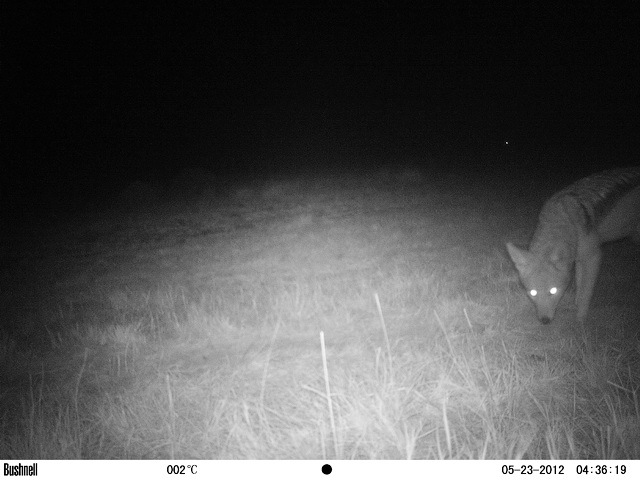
{"points": [[98, 96]]}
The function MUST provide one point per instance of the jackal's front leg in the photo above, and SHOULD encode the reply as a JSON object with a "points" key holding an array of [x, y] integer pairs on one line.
{"points": [[587, 266]]}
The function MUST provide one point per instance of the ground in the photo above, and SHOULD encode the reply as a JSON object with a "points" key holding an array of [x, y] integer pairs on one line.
{"points": [[172, 322]]}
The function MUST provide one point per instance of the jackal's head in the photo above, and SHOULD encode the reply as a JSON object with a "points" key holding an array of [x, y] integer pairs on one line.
{"points": [[545, 278]]}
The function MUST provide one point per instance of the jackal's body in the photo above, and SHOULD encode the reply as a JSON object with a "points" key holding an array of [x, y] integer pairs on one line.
{"points": [[572, 226]]}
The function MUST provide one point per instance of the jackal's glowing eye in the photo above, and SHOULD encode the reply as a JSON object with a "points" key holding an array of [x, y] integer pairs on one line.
{"points": [[533, 293], [553, 290]]}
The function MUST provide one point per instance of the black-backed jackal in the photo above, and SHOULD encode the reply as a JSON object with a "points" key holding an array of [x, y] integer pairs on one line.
{"points": [[572, 225]]}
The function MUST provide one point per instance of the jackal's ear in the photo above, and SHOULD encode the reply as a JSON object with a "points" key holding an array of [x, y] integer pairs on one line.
{"points": [[521, 258]]}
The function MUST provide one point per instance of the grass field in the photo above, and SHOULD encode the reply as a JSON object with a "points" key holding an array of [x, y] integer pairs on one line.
{"points": [[185, 323]]}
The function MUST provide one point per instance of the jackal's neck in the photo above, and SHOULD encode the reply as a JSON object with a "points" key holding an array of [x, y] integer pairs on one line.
{"points": [[556, 232]]}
